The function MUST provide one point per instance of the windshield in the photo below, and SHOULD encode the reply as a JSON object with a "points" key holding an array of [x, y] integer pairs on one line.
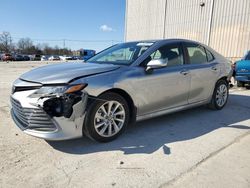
{"points": [[247, 57], [121, 54]]}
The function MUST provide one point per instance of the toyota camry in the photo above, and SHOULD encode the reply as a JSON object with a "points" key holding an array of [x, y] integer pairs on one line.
{"points": [[125, 83]]}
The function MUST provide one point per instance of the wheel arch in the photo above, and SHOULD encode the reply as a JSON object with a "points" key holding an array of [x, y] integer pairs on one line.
{"points": [[128, 98], [224, 78], [212, 104]]}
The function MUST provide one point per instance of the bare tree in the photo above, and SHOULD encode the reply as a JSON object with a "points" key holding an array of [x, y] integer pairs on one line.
{"points": [[24, 45], [41, 46], [5, 42], [47, 50]]}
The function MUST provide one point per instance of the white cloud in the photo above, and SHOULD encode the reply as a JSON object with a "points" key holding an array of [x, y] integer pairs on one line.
{"points": [[106, 28]]}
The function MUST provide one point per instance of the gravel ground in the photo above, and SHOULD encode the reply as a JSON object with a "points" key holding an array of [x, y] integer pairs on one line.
{"points": [[193, 148]]}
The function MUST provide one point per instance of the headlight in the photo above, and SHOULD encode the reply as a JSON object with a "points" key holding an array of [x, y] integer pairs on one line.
{"points": [[58, 90], [51, 90]]}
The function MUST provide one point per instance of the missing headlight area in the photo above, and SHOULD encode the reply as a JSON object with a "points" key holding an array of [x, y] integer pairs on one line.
{"points": [[61, 106]]}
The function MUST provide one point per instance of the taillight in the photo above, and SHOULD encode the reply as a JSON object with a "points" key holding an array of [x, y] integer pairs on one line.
{"points": [[233, 66]]}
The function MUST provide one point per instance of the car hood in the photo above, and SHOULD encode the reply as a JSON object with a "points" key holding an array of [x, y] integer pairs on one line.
{"points": [[65, 72], [243, 65]]}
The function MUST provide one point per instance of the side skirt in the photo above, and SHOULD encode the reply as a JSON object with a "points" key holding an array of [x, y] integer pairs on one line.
{"points": [[170, 110]]}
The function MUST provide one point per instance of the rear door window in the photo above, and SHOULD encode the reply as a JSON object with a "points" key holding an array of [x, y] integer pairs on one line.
{"points": [[196, 54]]}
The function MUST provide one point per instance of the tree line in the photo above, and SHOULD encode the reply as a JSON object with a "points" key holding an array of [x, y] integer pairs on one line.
{"points": [[26, 46]]}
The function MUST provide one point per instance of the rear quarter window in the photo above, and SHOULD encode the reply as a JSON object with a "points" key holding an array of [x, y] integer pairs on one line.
{"points": [[210, 56]]}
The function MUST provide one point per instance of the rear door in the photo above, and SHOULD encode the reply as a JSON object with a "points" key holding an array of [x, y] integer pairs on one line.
{"points": [[204, 71]]}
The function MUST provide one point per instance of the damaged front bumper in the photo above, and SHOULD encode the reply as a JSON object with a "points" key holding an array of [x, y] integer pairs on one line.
{"points": [[50, 118]]}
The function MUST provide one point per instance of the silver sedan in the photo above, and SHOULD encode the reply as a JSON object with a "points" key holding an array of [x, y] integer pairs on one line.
{"points": [[125, 83]]}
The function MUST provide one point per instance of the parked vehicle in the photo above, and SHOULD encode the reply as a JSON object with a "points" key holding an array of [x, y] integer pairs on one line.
{"points": [[88, 54], [54, 58], [7, 57], [125, 83], [76, 58], [44, 58], [66, 58], [242, 70], [26, 58], [35, 57], [18, 57]]}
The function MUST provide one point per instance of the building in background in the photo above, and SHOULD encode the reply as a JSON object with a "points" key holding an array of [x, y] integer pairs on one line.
{"points": [[84, 53], [222, 24]]}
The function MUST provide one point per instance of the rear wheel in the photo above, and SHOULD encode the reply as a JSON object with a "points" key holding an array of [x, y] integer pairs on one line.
{"points": [[220, 95], [240, 84], [106, 118]]}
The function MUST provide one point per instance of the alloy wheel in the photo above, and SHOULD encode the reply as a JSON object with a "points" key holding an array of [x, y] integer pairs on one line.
{"points": [[221, 95], [109, 118]]}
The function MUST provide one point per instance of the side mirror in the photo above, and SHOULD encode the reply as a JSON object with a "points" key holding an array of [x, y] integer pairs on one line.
{"points": [[157, 64]]}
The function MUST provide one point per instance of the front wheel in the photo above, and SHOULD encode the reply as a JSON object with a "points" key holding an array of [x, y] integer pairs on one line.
{"points": [[106, 118], [220, 95]]}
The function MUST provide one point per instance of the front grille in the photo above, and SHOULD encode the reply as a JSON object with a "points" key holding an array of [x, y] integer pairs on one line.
{"points": [[23, 88], [32, 118]]}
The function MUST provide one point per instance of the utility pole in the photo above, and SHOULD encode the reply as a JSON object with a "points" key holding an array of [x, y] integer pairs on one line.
{"points": [[210, 23], [63, 43], [164, 24]]}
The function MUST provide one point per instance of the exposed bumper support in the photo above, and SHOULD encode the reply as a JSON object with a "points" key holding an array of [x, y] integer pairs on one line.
{"points": [[67, 126]]}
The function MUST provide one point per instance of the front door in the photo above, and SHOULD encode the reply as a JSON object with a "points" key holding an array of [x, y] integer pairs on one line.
{"points": [[166, 87]]}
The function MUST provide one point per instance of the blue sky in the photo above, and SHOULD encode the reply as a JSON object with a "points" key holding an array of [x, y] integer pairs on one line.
{"points": [[64, 19]]}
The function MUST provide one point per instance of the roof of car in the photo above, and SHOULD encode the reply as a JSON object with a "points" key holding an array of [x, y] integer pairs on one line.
{"points": [[166, 40]]}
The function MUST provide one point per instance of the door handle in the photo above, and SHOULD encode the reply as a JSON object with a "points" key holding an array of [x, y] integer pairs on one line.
{"points": [[214, 68], [184, 72]]}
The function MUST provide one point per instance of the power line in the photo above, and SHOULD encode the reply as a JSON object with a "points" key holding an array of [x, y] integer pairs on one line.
{"points": [[49, 40], [70, 40]]}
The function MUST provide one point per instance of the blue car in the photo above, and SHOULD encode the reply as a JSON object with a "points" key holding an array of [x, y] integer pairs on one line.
{"points": [[243, 70]]}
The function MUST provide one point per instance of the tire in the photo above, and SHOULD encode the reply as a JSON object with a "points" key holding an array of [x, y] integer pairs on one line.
{"points": [[105, 127], [220, 95], [240, 84]]}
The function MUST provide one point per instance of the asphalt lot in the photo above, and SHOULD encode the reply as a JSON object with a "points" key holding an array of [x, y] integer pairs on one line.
{"points": [[193, 148]]}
